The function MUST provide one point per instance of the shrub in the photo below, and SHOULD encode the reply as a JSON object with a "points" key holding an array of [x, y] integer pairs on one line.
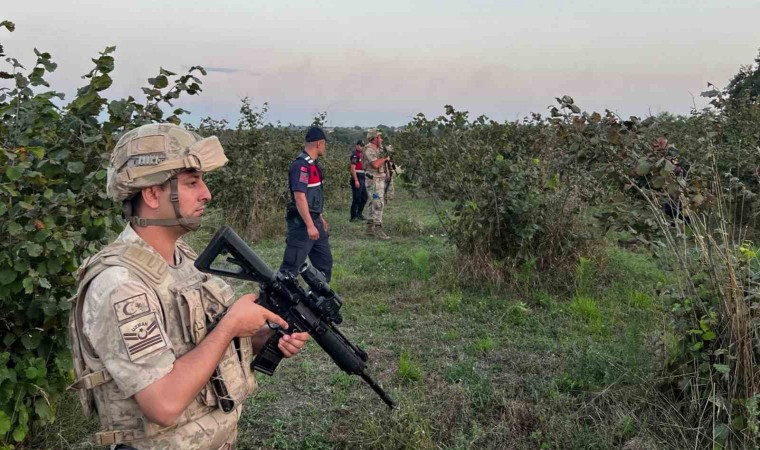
{"points": [[510, 206], [54, 212]]}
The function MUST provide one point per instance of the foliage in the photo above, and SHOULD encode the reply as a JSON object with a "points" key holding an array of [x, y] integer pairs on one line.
{"points": [[53, 213], [745, 85], [252, 186], [509, 204], [252, 189]]}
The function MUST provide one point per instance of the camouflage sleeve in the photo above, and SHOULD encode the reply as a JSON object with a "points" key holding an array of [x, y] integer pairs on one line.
{"points": [[123, 322], [371, 154]]}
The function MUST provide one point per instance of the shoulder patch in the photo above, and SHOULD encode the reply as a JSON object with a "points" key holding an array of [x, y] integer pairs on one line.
{"points": [[304, 169], [142, 336], [151, 264], [131, 307]]}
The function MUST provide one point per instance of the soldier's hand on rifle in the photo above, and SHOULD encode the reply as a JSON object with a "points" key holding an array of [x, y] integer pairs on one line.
{"points": [[312, 232], [291, 344], [246, 318]]}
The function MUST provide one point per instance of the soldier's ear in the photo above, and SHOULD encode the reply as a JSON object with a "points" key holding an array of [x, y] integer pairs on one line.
{"points": [[151, 196]]}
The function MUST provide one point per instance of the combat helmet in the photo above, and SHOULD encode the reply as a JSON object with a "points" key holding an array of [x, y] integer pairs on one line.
{"points": [[153, 154]]}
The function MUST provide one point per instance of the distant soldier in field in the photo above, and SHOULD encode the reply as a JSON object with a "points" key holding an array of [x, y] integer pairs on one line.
{"points": [[375, 171], [161, 351], [308, 230], [358, 184]]}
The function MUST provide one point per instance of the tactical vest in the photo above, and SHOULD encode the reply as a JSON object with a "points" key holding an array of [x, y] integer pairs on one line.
{"points": [[189, 300], [314, 188], [369, 170], [356, 160]]}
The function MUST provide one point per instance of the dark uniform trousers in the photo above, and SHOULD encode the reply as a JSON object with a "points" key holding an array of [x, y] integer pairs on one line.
{"points": [[299, 246], [359, 196]]}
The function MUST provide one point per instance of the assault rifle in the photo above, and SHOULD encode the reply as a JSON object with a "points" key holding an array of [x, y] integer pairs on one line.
{"points": [[316, 311]]}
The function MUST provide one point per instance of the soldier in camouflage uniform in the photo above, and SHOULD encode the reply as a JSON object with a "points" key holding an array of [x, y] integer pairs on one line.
{"points": [[146, 357], [374, 167]]}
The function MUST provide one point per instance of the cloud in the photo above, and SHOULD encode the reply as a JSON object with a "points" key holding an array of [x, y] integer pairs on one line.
{"points": [[231, 70]]}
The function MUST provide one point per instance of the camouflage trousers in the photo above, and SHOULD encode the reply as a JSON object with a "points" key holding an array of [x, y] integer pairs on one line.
{"points": [[376, 191]]}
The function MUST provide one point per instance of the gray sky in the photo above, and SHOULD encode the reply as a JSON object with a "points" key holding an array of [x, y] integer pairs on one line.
{"points": [[383, 62]]}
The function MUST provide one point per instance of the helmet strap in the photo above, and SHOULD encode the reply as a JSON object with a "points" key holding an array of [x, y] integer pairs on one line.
{"points": [[188, 223]]}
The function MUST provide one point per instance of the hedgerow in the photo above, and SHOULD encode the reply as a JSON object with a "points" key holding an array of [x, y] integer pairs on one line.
{"points": [[53, 213]]}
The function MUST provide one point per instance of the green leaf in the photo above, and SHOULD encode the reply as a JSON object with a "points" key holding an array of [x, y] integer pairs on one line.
{"points": [[26, 206], [697, 346], [7, 276], [19, 433], [28, 285], [658, 182], [722, 368], [14, 172], [30, 340], [10, 26], [161, 82], [38, 152], [643, 167], [67, 245], [709, 336], [93, 139], [31, 373], [45, 283], [33, 249], [102, 82], [75, 167], [5, 423], [14, 228], [42, 409]]}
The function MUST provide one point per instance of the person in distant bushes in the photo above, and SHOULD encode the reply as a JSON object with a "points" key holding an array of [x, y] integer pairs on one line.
{"points": [[140, 328], [375, 171], [358, 184], [308, 230]]}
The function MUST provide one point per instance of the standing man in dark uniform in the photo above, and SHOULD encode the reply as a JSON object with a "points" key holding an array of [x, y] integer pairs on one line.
{"points": [[358, 186], [307, 227]]}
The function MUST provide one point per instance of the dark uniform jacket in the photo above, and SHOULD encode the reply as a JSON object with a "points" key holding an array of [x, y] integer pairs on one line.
{"points": [[305, 176]]}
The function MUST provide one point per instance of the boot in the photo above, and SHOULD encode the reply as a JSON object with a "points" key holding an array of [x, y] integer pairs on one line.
{"points": [[370, 229], [380, 234]]}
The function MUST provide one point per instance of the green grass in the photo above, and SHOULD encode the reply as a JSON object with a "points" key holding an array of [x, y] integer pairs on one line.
{"points": [[470, 367]]}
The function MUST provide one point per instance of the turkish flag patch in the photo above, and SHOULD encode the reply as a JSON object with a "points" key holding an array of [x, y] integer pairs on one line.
{"points": [[131, 307]]}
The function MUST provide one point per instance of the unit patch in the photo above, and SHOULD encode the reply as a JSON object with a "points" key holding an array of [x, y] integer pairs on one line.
{"points": [[304, 178], [142, 336], [131, 307]]}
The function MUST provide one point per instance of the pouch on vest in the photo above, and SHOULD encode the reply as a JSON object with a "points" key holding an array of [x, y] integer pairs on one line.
{"points": [[234, 381], [194, 329]]}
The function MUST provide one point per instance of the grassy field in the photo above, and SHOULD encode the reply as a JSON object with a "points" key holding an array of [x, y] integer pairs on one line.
{"points": [[470, 366]]}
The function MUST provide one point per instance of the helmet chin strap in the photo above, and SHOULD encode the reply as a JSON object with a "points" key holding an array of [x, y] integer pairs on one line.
{"points": [[188, 223]]}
